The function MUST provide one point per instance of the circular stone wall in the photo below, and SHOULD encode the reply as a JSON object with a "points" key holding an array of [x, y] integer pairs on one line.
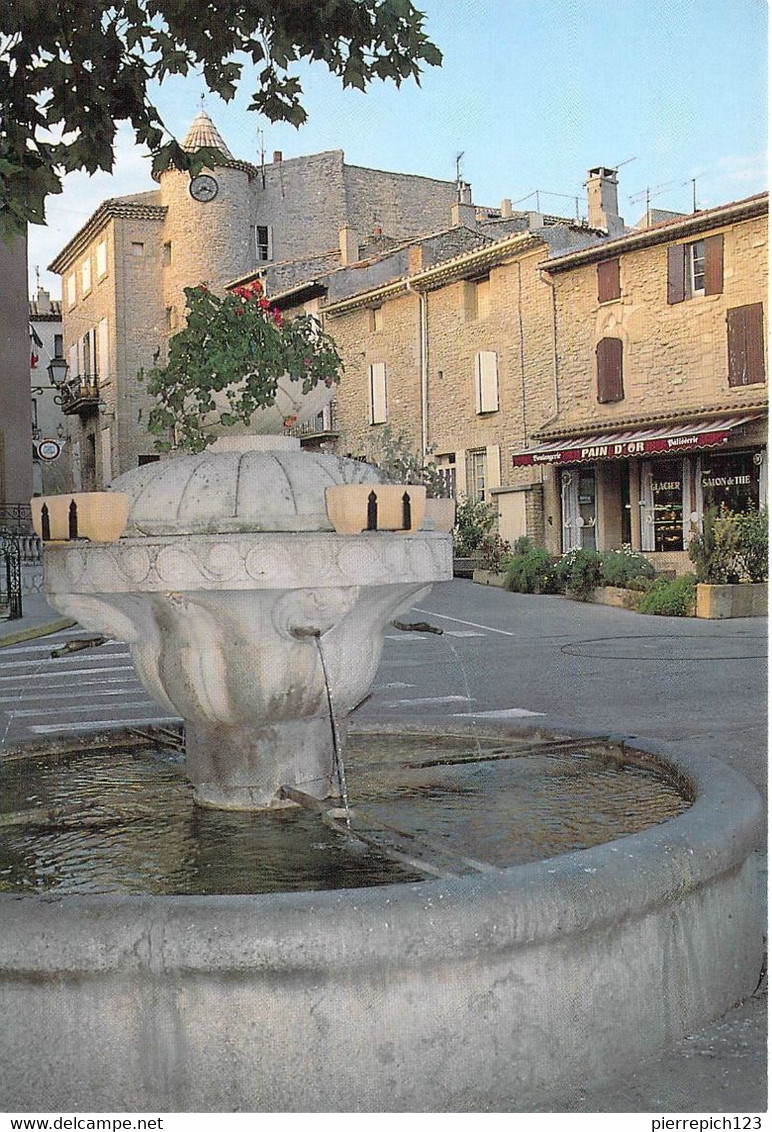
{"points": [[490, 993]]}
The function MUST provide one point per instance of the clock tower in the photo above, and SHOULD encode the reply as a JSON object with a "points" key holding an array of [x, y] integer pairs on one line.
{"points": [[209, 228]]}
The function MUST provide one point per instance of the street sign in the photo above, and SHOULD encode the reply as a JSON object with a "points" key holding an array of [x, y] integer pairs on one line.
{"points": [[49, 449]]}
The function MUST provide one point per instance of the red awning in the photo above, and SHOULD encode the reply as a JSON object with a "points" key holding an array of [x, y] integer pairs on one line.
{"points": [[640, 442]]}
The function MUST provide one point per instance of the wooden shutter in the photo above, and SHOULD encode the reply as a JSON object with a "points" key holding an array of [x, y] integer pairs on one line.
{"points": [[486, 381], [608, 281], [745, 342], [676, 274], [714, 265], [609, 362], [492, 466], [378, 393]]}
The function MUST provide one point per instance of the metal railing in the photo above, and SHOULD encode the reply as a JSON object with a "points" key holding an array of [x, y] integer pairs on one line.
{"points": [[80, 393], [323, 424]]}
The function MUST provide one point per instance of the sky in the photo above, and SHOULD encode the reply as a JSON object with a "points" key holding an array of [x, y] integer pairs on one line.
{"points": [[533, 93]]}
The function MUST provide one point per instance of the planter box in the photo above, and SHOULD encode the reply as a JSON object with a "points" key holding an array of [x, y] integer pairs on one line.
{"points": [[465, 567], [617, 596], [348, 503], [746, 599], [488, 578], [97, 515]]}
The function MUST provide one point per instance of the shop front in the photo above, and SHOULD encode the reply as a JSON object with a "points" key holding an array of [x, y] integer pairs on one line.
{"points": [[649, 489]]}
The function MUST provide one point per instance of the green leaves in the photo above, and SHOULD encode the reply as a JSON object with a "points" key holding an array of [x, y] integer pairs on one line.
{"points": [[237, 347], [79, 67]]}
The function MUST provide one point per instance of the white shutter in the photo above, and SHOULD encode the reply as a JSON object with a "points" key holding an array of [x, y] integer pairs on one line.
{"points": [[492, 467], [101, 259], [74, 369], [378, 393], [71, 295], [486, 381], [569, 482], [647, 507], [85, 276], [103, 352]]}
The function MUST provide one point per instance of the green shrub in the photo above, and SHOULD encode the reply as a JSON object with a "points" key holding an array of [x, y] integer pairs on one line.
{"points": [[668, 597], [731, 547], [578, 572], [621, 567], [753, 532], [531, 572], [475, 521]]}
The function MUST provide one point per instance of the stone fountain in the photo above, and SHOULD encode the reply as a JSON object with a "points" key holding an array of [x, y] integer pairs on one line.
{"points": [[497, 991], [245, 611]]}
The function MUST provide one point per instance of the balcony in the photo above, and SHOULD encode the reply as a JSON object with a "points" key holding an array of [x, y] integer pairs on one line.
{"points": [[80, 394], [324, 426]]}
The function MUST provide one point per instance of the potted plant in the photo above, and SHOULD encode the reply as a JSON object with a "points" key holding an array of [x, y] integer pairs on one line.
{"points": [[730, 555], [398, 463], [239, 365]]}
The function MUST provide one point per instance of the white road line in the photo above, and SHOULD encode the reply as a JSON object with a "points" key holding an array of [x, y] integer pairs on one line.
{"points": [[402, 636], [124, 690], [462, 633], [98, 724], [67, 674], [30, 712], [435, 700], [504, 713], [60, 662], [474, 625]]}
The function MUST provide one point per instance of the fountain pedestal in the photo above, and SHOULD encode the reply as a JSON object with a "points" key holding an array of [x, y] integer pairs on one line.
{"points": [[244, 609]]}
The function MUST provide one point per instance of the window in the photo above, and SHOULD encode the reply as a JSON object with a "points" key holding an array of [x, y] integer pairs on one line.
{"points": [[101, 259], [608, 356], [475, 299], [378, 393], [58, 346], [475, 476], [486, 374], [137, 248], [376, 319], [608, 281], [71, 296], [102, 352], [167, 257], [85, 276], [745, 343], [695, 269], [731, 480], [263, 249]]}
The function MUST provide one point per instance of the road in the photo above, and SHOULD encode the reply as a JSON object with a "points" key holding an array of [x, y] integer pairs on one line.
{"points": [[546, 661]]}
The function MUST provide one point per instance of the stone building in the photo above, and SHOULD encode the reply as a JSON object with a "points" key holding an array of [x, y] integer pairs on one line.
{"points": [[659, 406], [124, 272], [15, 416], [48, 421], [448, 341]]}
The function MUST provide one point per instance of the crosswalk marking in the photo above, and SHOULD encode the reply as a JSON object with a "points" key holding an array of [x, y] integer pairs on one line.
{"points": [[98, 724], [26, 713], [67, 674]]}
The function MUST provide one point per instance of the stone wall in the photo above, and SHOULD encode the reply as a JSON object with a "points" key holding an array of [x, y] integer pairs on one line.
{"points": [[674, 356]]}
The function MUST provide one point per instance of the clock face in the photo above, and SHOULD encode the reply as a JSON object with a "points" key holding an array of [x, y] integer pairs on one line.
{"points": [[203, 188]]}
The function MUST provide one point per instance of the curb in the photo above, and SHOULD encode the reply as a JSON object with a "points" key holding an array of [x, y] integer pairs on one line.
{"points": [[36, 631]]}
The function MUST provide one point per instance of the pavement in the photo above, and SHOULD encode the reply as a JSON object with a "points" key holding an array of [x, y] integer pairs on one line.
{"points": [[671, 683]]}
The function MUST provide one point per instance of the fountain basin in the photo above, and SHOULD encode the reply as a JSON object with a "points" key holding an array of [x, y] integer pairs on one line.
{"points": [[496, 992]]}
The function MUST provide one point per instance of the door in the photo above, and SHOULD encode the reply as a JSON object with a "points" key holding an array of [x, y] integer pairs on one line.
{"points": [[578, 499]]}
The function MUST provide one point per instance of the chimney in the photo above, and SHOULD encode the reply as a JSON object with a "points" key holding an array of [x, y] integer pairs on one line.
{"points": [[506, 208], [602, 203], [43, 301], [415, 259], [349, 245], [277, 157], [463, 214]]}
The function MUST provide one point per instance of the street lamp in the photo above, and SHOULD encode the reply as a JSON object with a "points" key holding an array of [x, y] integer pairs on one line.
{"points": [[57, 370]]}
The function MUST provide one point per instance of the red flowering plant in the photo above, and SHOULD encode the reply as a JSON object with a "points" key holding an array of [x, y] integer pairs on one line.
{"points": [[228, 361]]}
